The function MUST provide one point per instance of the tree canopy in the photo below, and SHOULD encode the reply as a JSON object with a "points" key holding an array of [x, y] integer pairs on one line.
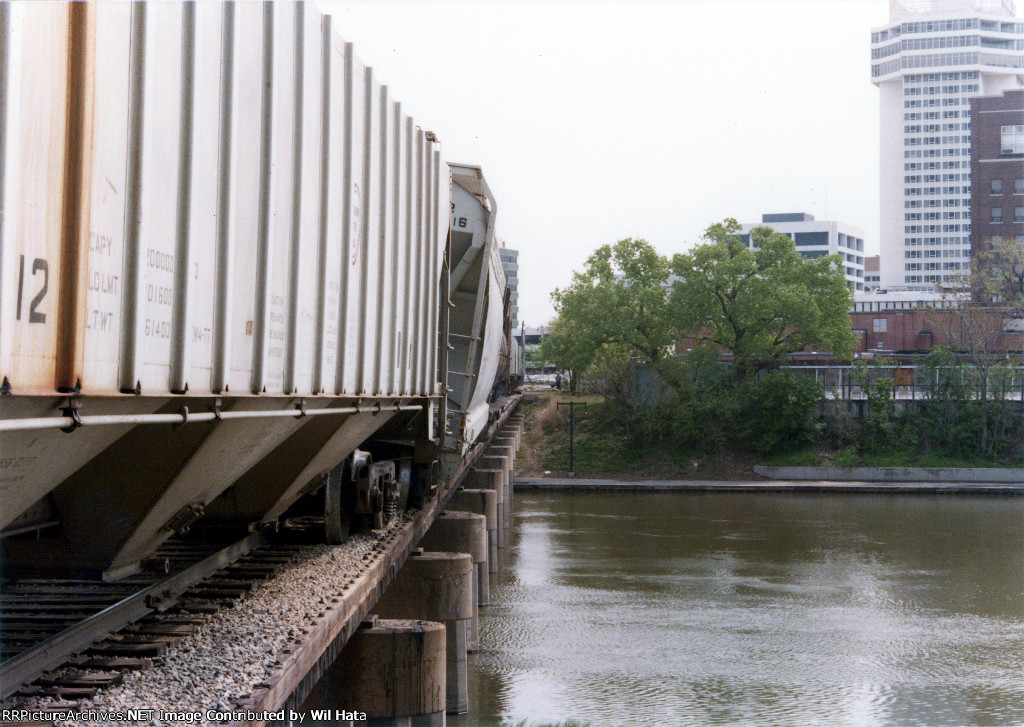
{"points": [[997, 274], [758, 303], [761, 302], [570, 347], [619, 297]]}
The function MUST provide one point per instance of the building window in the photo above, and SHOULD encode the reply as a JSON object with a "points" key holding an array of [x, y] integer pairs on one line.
{"points": [[997, 186], [1018, 214], [879, 325], [1018, 186], [1012, 139], [997, 215], [811, 238]]}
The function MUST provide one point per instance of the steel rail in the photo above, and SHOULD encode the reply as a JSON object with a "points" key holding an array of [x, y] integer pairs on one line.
{"points": [[29, 665], [186, 417]]}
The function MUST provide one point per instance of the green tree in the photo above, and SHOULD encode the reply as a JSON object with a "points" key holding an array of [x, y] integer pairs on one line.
{"points": [[760, 303], [976, 307], [997, 274], [879, 425], [776, 412], [619, 298], [571, 348]]}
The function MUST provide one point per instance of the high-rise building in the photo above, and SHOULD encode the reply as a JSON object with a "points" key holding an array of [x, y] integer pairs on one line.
{"points": [[510, 262], [997, 169], [817, 238], [928, 62]]}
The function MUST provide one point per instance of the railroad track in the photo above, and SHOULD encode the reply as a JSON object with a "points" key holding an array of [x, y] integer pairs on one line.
{"points": [[68, 639], [69, 662]]}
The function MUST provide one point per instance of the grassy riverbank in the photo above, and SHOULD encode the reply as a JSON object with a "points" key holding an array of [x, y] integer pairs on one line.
{"points": [[602, 448]]}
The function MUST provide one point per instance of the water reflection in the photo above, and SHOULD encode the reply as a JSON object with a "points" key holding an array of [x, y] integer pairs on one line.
{"points": [[756, 609]]}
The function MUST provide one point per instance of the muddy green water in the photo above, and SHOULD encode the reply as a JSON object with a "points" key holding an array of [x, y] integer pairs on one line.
{"points": [[756, 609]]}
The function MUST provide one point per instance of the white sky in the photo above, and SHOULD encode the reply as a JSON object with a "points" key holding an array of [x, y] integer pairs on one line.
{"points": [[595, 121]]}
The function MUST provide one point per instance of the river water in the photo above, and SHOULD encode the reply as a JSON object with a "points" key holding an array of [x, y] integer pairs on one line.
{"points": [[757, 609]]}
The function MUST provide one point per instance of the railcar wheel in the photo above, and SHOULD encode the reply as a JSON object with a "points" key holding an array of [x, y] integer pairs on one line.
{"points": [[338, 506]]}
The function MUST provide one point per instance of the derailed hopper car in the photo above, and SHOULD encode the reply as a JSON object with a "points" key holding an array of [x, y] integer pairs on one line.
{"points": [[215, 217]]}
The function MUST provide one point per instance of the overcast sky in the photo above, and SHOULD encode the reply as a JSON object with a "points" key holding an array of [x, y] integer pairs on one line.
{"points": [[596, 121]]}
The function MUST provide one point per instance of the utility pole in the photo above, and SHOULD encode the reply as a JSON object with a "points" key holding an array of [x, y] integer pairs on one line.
{"points": [[572, 429]]}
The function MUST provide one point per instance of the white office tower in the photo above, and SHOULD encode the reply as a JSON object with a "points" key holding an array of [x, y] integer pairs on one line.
{"points": [[510, 261], [817, 238], [931, 58]]}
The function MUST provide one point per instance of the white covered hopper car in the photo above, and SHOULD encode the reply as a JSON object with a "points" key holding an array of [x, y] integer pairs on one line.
{"points": [[224, 267]]}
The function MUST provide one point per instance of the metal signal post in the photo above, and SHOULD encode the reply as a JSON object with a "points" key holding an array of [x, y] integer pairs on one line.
{"points": [[572, 434]]}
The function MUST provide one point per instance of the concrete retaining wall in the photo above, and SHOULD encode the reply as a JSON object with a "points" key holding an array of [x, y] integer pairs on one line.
{"points": [[894, 474]]}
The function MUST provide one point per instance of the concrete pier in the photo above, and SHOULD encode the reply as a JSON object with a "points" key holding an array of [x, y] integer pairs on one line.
{"points": [[438, 587], [506, 449], [481, 502], [464, 532], [513, 427], [506, 439], [393, 671], [492, 478], [504, 464]]}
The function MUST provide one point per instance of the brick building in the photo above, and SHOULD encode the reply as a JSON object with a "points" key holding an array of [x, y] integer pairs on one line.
{"points": [[997, 168], [906, 327], [919, 330]]}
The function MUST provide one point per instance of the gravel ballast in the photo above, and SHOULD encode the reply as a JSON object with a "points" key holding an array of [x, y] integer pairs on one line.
{"points": [[227, 658]]}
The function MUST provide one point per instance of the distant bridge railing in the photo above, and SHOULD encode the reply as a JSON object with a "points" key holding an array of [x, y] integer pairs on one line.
{"points": [[918, 383]]}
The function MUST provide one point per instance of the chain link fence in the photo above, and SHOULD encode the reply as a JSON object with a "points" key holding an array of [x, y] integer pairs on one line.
{"points": [[918, 383]]}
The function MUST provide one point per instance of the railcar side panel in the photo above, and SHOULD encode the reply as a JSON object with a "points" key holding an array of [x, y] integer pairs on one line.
{"points": [[200, 275], [356, 207], [306, 283], [442, 187], [247, 140], [108, 197], [220, 364], [5, 79], [34, 153], [423, 253], [370, 253], [272, 274], [409, 261], [206, 208], [333, 195], [419, 198], [197, 271], [152, 212], [400, 263], [385, 287]]}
